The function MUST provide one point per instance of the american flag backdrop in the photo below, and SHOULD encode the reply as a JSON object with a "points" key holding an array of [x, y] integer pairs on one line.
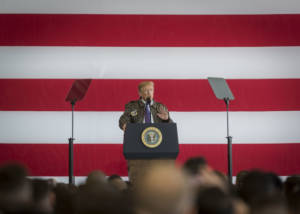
{"points": [[46, 45]]}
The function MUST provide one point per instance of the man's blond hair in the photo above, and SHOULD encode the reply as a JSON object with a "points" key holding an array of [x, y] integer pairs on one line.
{"points": [[145, 83]]}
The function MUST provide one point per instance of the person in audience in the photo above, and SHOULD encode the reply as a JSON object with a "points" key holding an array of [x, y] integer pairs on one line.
{"points": [[292, 193], [221, 175], [43, 196], [196, 165], [99, 198], [212, 200], [258, 185], [117, 182], [163, 189], [52, 182], [95, 177], [15, 189], [240, 179], [239, 206], [274, 204], [200, 173], [64, 194]]}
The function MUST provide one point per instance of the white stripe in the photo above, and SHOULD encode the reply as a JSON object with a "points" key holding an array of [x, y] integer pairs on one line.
{"points": [[152, 63], [151, 7], [193, 127]]}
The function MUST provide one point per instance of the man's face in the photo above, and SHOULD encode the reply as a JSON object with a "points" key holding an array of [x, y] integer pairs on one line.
{"points": [[147, 91]]}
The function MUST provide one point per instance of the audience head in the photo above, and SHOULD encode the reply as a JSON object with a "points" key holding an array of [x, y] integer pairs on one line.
{"points": [[201, 174], [162, 189], [15, 189], [117, 182], [240, 179], [195, 166], [258, 185], [96, 177]]}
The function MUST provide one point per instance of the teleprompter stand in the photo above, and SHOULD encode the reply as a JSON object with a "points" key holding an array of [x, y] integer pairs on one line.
{"points": [[223, 92], [76, 93]]}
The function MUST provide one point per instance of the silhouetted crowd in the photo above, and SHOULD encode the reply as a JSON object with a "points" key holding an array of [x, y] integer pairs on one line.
{"points": [[194, 188]]}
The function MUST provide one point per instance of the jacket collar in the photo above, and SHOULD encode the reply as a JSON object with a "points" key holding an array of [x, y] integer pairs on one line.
{"points": [[142, 103]]}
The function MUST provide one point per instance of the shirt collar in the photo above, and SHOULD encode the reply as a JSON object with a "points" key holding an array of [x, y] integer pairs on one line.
{"points": [[145, 102]]}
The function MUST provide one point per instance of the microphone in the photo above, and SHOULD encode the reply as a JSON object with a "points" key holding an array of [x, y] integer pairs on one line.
{"points": [[148, 100]]}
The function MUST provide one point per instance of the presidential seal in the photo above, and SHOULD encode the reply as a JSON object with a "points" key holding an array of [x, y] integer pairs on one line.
{"points": [[151, 137]]}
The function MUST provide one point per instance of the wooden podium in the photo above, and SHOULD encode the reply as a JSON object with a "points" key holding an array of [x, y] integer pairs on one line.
{"points": [[149, 143]]}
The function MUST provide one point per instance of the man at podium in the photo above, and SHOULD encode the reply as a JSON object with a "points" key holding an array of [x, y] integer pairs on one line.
{"points": [[145, 109]]}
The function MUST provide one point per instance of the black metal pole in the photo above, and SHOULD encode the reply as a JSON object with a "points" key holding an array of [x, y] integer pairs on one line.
{"points": [[71, 154], [229, 144]]}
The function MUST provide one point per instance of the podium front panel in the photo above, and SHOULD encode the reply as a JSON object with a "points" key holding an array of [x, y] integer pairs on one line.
{"points": [[134, 148]]}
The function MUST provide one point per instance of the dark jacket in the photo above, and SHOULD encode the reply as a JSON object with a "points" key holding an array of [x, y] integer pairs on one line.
{"points": [[135, 111]]}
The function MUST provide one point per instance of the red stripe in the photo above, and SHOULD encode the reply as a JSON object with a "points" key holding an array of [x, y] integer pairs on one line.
{"points": [[178, 95], [149, 30], [52, 159]]}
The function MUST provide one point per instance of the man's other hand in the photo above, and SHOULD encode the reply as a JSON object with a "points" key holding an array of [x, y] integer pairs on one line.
{"points": [[163, 114]]}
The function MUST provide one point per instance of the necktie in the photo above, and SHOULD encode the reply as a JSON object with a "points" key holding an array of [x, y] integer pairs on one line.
{"points": [[147, 114]]}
